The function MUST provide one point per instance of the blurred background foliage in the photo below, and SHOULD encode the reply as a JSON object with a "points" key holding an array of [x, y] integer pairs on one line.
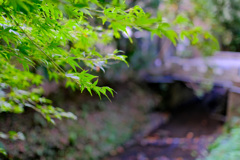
{"points": [[221, 18], [227, 145]]}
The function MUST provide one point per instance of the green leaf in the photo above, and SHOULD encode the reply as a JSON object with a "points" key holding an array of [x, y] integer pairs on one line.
{"points": [[180, 19], [71, 61], [3, 151]]}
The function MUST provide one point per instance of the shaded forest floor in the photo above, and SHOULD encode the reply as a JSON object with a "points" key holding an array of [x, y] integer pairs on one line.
{"points": [[185, 137], [102, 125]]}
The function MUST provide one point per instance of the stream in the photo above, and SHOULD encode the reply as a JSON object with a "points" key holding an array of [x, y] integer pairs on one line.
{"points": [[186, 136]]}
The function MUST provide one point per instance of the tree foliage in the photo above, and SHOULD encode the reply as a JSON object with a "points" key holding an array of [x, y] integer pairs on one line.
{"points": [[198, 16], [227, 16], [64, 38]]}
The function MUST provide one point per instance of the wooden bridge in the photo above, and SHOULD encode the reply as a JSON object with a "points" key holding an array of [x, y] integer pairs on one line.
{"points": [[222, 69]]}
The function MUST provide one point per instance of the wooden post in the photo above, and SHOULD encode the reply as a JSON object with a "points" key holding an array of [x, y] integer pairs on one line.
{"points": [[233, 105]]}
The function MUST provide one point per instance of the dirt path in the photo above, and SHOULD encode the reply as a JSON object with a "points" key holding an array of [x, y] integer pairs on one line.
{"points": [[185, 137]]}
